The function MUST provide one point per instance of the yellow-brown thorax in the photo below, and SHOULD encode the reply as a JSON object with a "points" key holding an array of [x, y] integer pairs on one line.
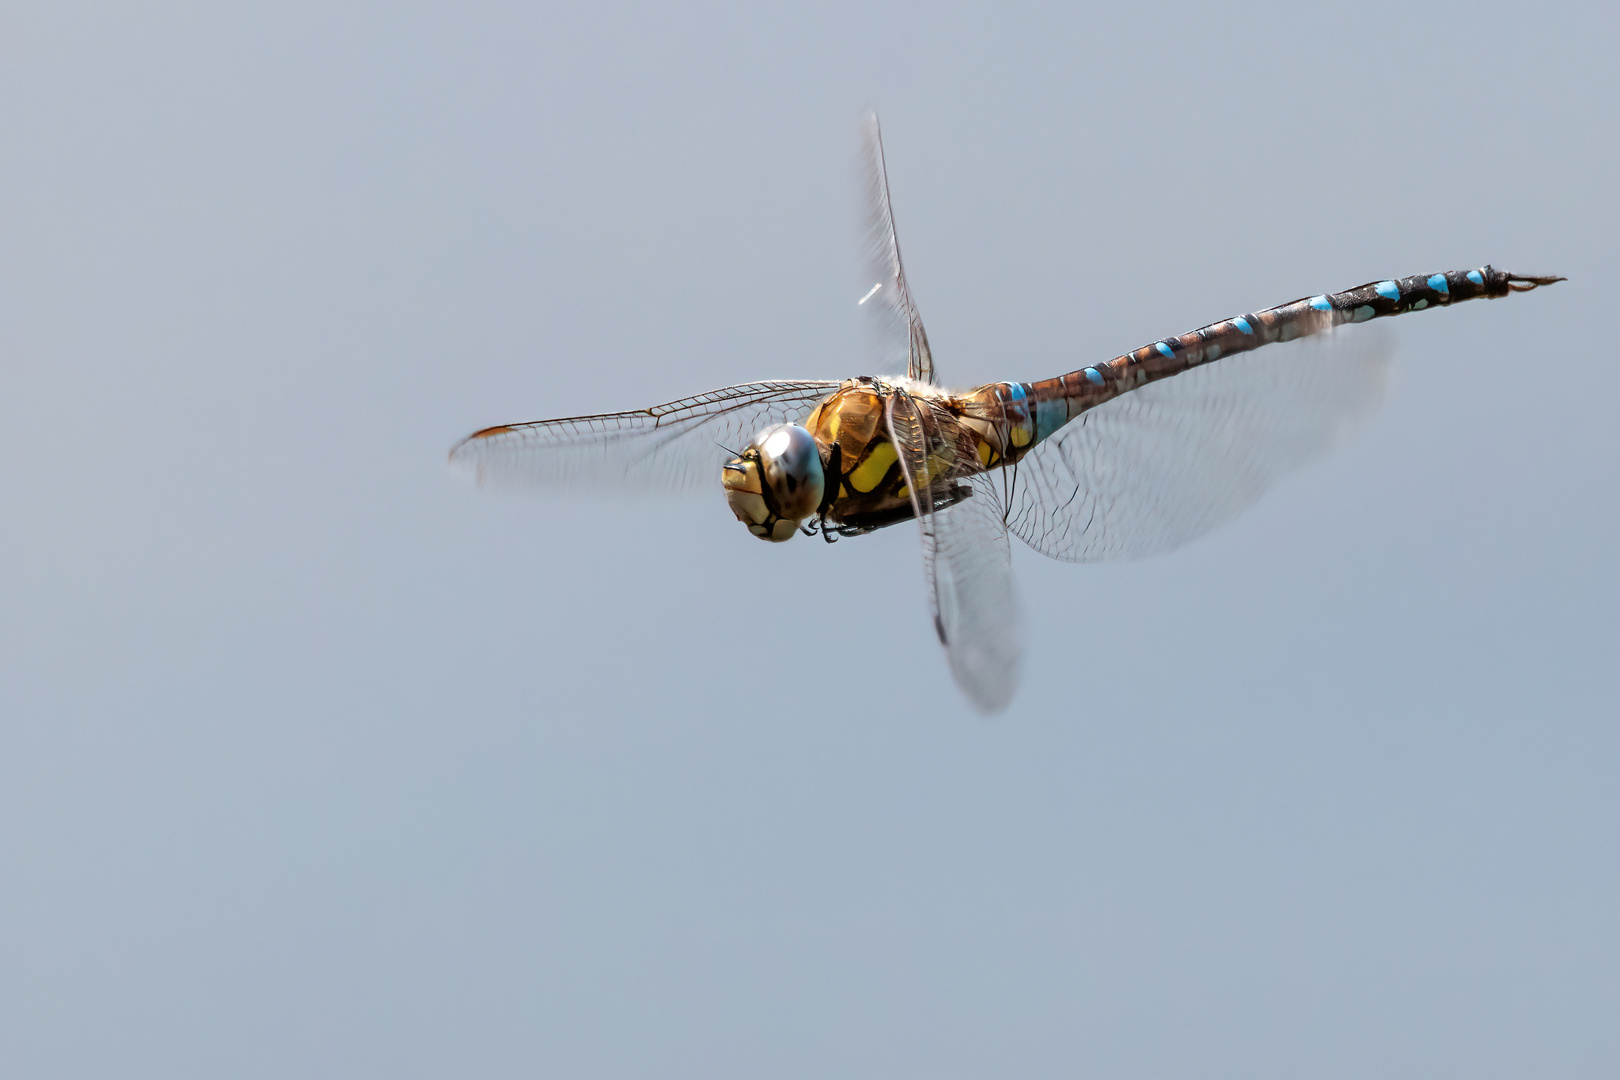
{"points": [[976, 431]]}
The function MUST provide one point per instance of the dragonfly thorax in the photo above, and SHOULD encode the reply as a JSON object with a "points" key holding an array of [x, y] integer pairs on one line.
{"points": [[775, 483]]}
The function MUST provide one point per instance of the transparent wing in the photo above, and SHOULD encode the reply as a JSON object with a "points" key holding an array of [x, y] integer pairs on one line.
{"points": [[1165, 464], [889, 297], [966, 561], [677, 446]]}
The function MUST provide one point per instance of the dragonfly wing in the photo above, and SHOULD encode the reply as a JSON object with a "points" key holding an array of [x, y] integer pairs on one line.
{"points": [[1164, 464], [891, 296], [677, 446], [966, 561]]}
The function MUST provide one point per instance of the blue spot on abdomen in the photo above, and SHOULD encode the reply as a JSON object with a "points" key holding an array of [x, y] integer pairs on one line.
{"points": [[1388, 290], [1320, 303], [1049, 416], [1476, 277], [1165, 351], [1094, 376], [1243, 325], [1438, 283]]}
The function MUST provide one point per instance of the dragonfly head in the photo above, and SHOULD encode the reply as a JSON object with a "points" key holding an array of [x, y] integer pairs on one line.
{"points": [[776, 483]]}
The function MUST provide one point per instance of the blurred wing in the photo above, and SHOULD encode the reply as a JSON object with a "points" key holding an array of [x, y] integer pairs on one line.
{"points": [[678, 446], [890, 296], [1165, 464], [967, 564]]}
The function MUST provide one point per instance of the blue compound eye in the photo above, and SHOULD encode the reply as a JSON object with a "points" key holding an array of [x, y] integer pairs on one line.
{"points": [[791, 462], [776, 483]]}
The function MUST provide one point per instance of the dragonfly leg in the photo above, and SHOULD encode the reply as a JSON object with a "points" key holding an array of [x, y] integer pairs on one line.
{"points": [[831, 468]]}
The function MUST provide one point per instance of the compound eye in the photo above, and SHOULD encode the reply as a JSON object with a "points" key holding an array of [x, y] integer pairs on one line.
{"points": [[791, 463]]}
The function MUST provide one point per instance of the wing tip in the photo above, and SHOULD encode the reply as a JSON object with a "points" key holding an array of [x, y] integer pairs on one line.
{"points": [[459, 452], [988, 697]]}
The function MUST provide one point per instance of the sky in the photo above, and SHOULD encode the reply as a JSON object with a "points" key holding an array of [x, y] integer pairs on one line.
{"points": [[317, 760]]}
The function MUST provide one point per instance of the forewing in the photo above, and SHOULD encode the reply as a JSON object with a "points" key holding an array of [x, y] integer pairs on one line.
{"points": [[889, 297], [678, 446], [966, 562], [1166, 463]]}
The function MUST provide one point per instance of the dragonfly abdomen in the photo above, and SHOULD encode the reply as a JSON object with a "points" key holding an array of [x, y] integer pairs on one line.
{"points": [[1054, 402]]}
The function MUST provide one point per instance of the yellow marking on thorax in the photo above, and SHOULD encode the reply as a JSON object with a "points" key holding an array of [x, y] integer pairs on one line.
{"points": [[870, 472], [935, 465], [829, 429]]}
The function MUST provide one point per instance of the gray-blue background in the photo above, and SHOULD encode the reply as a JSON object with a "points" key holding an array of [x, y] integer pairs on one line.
{"points": [[317, 762]]}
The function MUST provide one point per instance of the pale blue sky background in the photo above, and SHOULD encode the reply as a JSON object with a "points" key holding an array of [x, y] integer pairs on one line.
{"points": [[316, 762]]}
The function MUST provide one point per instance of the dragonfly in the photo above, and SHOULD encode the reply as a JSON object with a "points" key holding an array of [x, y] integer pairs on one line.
{"points": [[1129, 457]]}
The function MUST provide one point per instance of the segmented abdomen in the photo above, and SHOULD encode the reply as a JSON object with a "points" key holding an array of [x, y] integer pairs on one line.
{"points": [[1040, 408]]}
